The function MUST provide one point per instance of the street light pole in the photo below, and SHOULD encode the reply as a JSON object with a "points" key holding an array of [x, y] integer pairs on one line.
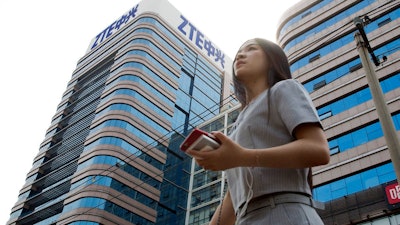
{"points": [[392, 140]]}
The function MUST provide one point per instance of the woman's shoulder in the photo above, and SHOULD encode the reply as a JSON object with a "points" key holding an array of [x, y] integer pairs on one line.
{"points": [[288, 86], [287, 83]]}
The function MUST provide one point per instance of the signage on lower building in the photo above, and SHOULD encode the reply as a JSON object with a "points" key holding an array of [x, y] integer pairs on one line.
{"points": [[392, 191]]}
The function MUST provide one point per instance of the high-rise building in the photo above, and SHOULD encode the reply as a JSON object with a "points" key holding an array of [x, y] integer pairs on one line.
{"points": [[111, 154], [359, 184]]}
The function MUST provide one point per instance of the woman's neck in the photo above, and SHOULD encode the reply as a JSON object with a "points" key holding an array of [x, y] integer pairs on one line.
{"points": [[253, 92]]}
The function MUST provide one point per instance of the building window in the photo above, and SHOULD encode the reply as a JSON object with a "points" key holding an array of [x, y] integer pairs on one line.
{"points": [[355, 183], [355, 67], [305, 14], [384, 22], [319, 84], [325, 115], [313, 58], [334, 150]]}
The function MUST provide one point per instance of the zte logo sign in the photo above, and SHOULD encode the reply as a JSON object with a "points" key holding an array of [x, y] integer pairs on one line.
{"points": [[114, 27], [194, 35], [393, 193]]}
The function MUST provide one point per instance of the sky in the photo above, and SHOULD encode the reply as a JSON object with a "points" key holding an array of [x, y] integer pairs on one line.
{"points": [[41, 41]]}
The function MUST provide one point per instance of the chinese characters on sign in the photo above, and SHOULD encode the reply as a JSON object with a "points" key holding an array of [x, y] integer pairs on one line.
{"points": [[184, 26], [194, 35], [115, 26]]}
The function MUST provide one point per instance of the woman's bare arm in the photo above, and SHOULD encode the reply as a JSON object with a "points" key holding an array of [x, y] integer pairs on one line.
{"points": [[227, 215]]}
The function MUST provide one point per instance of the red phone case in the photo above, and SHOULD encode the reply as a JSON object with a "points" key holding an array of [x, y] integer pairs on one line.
{"points": [[194, 136]]}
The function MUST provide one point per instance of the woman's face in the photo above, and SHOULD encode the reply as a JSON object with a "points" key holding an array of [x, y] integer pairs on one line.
{"points": [[250, 62]]}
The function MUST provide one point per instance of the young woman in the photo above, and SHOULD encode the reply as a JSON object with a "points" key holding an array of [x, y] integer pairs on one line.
{"points": [[275, 140]]}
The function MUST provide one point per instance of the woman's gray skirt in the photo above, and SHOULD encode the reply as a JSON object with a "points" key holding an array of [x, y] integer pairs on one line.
{"points": [[281, 209]]}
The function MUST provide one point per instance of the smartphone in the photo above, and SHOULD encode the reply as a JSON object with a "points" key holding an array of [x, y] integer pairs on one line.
{"points": [[198, 139]]}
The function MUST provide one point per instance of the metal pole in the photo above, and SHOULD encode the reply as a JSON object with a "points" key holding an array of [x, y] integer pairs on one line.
{"points": [[392, 140]]}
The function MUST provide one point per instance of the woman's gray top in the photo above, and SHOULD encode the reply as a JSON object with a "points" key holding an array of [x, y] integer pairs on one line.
{"points": [[268, 122]]}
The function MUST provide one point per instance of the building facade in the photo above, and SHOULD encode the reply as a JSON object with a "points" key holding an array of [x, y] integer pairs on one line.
{"points": [[359, 184], [111, 154], [207, 188]]}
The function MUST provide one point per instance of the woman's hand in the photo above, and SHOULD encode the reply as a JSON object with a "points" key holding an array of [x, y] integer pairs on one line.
{"points": [[227, 156]]}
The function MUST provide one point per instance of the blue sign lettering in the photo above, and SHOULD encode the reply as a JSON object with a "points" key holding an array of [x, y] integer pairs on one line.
{"points": [[115, 26], [190, 31]]}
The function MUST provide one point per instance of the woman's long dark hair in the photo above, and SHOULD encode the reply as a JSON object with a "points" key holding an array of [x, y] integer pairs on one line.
{"points": [[278, 68]]}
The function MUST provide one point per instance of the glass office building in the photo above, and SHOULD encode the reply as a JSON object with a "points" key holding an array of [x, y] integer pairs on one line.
{"points": [[359, 184], [111, 154], [207, 188]]}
